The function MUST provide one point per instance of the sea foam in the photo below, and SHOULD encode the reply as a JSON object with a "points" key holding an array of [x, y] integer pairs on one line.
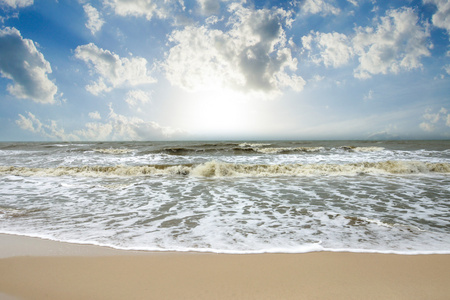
{"points": [[222, 169]]}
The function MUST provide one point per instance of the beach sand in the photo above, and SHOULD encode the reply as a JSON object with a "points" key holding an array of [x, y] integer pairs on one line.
{"points": [[32, 268]]}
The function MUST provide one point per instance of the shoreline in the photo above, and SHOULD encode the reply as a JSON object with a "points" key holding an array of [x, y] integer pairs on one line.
{"points": [[43, 246], [32, 268]]}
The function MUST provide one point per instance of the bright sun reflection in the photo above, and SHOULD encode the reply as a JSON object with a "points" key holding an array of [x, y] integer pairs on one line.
{"points": [[220, 112]]}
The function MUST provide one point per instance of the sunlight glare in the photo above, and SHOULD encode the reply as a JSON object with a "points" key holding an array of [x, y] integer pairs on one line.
{"points": [[222, 111]]}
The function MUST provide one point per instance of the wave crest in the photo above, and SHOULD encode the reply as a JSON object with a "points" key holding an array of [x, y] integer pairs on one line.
{"points": [[222, 169], [288, 150], [114, 151]]}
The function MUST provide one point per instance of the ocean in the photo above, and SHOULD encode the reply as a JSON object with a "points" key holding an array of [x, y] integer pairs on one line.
{"points": [[231, 197]]}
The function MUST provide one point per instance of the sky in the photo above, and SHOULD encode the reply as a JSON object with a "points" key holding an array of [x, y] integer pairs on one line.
{"points": [[76, 70]]}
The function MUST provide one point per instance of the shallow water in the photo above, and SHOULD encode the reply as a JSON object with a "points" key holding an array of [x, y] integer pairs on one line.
{"points": [[231, 197]]}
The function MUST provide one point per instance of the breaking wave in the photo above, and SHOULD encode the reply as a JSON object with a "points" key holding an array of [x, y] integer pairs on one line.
{"points": [[244, 148], [288, 150], [363, 149], [228, 149], [222, 169], [114, 151]]}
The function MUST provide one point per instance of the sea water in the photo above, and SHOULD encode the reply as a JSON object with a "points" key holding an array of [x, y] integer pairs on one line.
{"points": [[231, 197]]}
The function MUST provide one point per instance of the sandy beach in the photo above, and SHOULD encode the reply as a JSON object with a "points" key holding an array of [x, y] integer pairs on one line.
{"points": [[32, 268]]}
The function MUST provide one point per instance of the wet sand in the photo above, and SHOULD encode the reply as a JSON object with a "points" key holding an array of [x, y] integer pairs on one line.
{"points": [[33, 268]]}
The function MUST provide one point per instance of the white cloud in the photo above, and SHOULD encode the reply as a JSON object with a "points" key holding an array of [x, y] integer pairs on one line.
{"points": [[395, 43], [120, 127], [211, 20], [252, 55], [435, 119], [137, 8], [21, 62], [441, 18], [51, 130], [427, 127], [398, 42], [94, 22], [116, 127], [31, 123], [95, 115], [95, 131], [145, 8], [334, 49], [134, 97], [113, 71], [324, 7], [16, 3]]}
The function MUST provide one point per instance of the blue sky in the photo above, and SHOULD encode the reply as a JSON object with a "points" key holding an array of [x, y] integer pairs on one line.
{"points": [[221, 69]]}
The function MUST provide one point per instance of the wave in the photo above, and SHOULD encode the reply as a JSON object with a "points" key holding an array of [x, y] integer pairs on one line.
{"points": [[363, 149], [244, 148], [219, 169], [222, 169], [114, 151], [230, 148], [306, 248], [252, 145], [288, 150], [98, 171], [10, 212]]}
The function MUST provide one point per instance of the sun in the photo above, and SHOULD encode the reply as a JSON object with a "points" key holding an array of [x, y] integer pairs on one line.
{"points": [[220, 112]]}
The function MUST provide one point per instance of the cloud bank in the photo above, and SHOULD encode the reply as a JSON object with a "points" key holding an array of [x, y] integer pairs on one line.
{"points": [[115, 128]]}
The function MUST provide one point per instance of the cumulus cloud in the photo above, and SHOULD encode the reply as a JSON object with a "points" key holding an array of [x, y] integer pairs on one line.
{"points": [[250, 55], [441, 18], [434, 119], [334, 49], [16, 3], [21, 62], [427, 127], [116, 128], [144, 8], [398, 42], [112, 70], [120, 127], [136, 97], [94, 22], [30, 123], [51, 130], [95, 115], [323, 7]]}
